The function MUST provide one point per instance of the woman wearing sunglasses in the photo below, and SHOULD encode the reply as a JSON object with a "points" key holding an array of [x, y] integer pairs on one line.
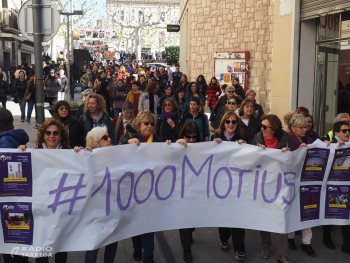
{"points": [[220, 107], [298, 127], [142, 131], [168, 123], [230, 130], [271, 135], [71, 124]]}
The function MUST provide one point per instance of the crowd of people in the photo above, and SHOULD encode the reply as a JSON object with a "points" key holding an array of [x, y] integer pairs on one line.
{"points": [[134, 105]]}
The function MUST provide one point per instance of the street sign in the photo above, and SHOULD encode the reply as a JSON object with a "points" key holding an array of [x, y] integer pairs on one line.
{"points": [[173, 28], [50, 20]]}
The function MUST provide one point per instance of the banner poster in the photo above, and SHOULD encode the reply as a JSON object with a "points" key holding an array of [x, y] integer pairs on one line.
{"points": [[82, 34], [15, 174], [114, 36], [227, 78], [337, 202], [101, 35], [17, 222], [95, 35], [315, 165], [340, 168], [310, 202], [88, 35], [108, 36], [76, 34]]}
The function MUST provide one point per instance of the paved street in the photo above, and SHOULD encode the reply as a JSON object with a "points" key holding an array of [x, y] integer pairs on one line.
{"points": [[206, 240]]}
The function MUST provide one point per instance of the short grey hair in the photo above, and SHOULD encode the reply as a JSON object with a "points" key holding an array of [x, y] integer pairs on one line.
{"points": [[90, 91], [341, 116], [230, 87]]}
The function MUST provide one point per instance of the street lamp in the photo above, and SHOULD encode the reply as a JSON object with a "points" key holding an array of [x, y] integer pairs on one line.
{"points": [[74, 13]]}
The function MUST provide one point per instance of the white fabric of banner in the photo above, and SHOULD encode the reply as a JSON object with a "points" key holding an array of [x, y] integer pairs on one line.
{"points": [[155, 187]]}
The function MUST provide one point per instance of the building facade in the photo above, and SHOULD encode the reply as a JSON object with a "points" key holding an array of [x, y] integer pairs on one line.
{"points": [[298, 50]]}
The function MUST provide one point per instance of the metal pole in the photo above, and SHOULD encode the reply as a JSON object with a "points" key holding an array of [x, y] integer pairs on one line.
{"points": [[37, 31], [71, 9], [68, 66]]}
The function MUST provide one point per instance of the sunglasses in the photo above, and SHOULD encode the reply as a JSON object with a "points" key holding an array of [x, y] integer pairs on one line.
{"points": [[105, 137], [233, 121], [345, 130], [264, 127], [149, 123], [168, 105], [189, 137], [231, 103], [55, 133], [230, 91], [63, 108]]}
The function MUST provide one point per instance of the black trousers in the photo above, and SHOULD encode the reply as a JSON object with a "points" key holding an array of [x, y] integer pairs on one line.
{"points": [[15, 259], [60, 257], [345, 232], [238, 235], [186, 238]]}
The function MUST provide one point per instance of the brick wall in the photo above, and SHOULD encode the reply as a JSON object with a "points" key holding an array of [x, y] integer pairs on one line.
{"points": [[233, 25]]}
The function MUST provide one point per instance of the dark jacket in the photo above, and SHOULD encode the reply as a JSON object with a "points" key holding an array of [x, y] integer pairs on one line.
{"points": [[32, 89], [258, 109], [190, 95], [313, 135], [4, 88], [88, 124], [13, 138], [52, 86], [285, 141], [250, 130], [221, 136], [216, 114], [164, 130], [240, 91], [20, 87], [76, 137], [184, 108], [203, 86], [80, 111], [131, 133]]}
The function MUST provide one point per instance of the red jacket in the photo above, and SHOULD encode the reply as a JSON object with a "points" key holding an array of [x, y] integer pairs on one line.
{"points": [[212, 98]]}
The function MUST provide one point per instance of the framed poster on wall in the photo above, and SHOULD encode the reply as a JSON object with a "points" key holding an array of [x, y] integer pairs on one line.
{"points": [[230, 65]]}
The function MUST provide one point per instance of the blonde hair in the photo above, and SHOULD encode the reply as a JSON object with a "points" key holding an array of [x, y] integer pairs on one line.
{"points": [[293, 119], [94, 136], [143, 116], [341, 116], [100, 101], [250, 91]]}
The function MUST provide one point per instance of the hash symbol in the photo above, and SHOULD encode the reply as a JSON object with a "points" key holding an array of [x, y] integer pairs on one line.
{"points": [[62, 189]]}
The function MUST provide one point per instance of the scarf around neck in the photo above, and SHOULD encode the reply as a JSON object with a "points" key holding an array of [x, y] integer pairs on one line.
{"points": [[171, 115]]}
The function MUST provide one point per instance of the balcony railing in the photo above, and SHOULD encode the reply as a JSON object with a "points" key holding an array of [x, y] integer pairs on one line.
{"points": [[9, 19]]}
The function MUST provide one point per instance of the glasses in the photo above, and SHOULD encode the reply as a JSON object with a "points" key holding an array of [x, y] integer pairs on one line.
{"points": [[189, 137], [114, 77], [231, 121], [55, 133], [129, 112], [105, 137], [264, 127], [345, 130], [168, 105], [149, 123], [230, 91], [63, 108], [231, 103]]}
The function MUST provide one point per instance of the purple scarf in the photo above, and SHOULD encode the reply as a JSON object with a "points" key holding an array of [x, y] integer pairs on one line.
{"points": [[171, 115]]}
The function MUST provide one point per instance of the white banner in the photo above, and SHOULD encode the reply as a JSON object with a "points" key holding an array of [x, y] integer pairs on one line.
{"points": [[82, 201]]}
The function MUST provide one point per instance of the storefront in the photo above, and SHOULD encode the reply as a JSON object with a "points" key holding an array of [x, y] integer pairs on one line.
{"points": [[324, 65]]}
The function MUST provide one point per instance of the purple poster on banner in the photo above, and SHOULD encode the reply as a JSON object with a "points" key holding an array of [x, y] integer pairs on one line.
{"points": [[17, 222], [337, 202], [15, 174], [310, 202], [340, 169], [315, 165]]}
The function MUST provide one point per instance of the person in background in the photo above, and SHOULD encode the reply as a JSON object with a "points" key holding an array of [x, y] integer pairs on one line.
{"points": [[340, 117], [311, 130], [80, 110], [64, 84], [168, 122], [120, 122], [119, 97], [104, 92], [176, 77], [181, 102], [272, 136], [183, 81], [129, 80], [193, 91], [251, 94], [196, 115], [213, 93], [4, 77], [149, 100], [168, 94], [4, 89], [19, 89], [31, 88], [233, 104], [134, 96], [142, 131], [161, 78], [143, 83], [223, 90], [203, 86], [87, 80], [297, 126], [238, 88], [112, 87], [95, 115], [71, 124], [170, 74], [52, 85], [249, 122]]}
